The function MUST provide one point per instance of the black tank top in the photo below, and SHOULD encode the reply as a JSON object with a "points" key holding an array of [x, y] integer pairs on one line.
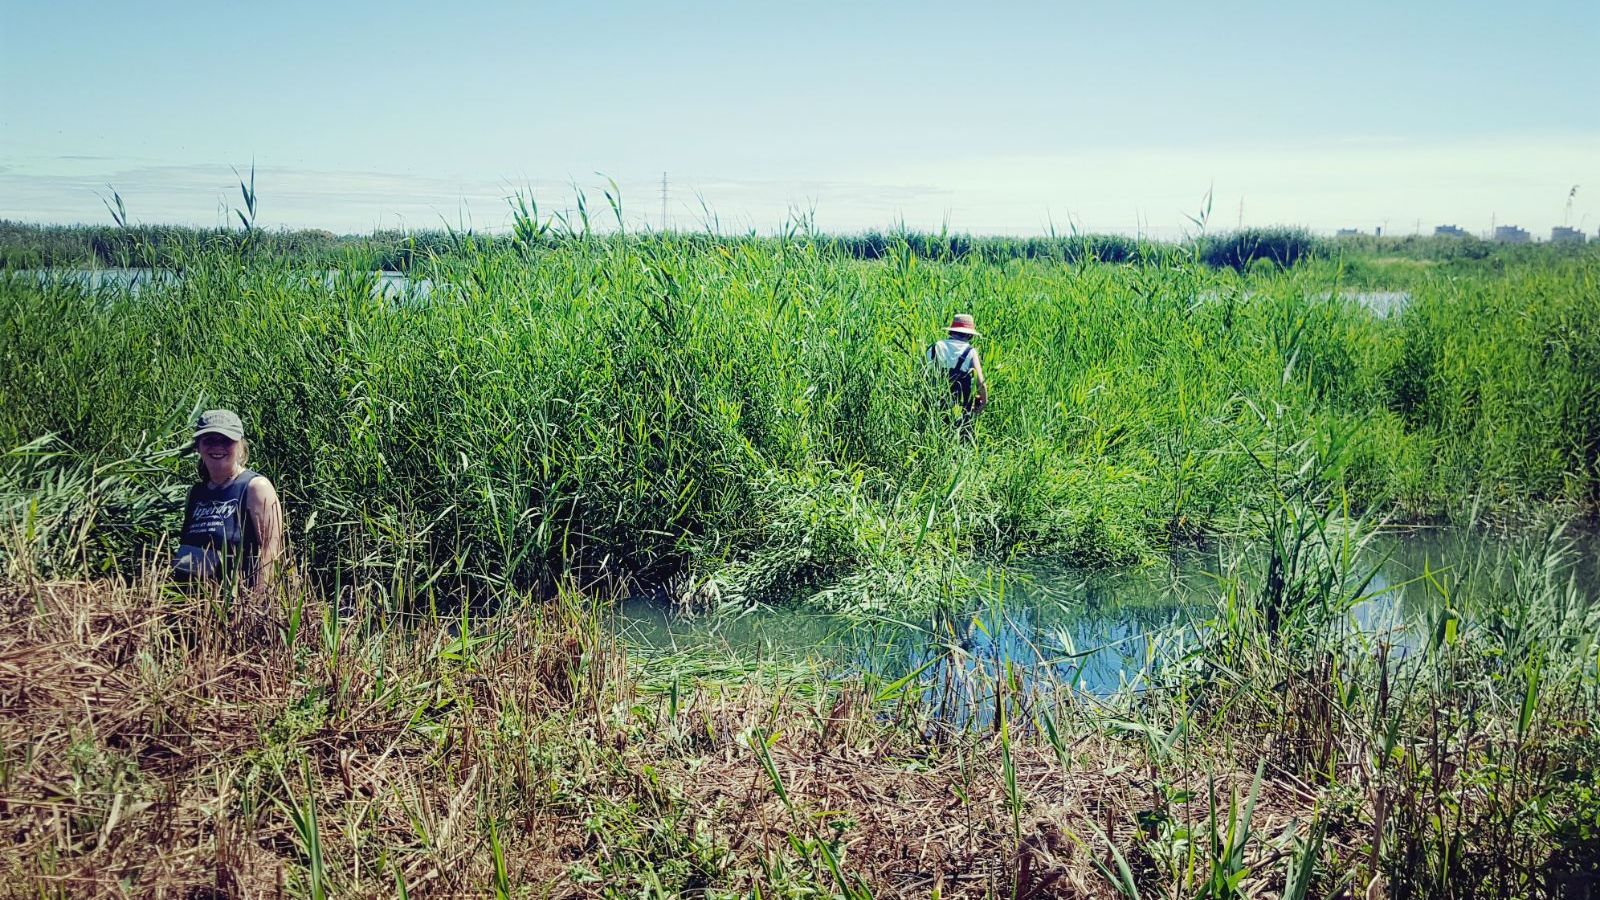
{"points": [[219, 537]]}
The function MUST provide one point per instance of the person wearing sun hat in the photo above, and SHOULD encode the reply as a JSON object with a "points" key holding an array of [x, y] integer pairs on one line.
{"points": [[958, 360], [232, 521]]}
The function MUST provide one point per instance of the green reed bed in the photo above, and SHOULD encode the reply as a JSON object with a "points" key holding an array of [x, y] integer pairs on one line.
{"points": [[750, 422], [752, 418], [26, 246]]}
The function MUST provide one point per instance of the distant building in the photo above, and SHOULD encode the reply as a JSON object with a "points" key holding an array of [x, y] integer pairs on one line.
{"points": [[1450, 231], [1511, 234], [1347, 232], [1564, 235]]}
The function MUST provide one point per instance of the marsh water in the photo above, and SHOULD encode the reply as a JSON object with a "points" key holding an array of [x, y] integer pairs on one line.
{"points": [[394, 285], [399, 285], [1102, 631]]}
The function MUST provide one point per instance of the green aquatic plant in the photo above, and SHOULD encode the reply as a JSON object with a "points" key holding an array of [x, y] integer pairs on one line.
{"points": [[754, 416]]}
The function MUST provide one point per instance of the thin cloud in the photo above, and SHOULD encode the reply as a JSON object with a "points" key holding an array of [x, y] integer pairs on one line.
{"points": [[1360, 182], [358, 201]]}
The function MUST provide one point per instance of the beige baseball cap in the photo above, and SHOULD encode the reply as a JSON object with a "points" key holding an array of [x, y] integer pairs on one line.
{"points": [[219, 421]]}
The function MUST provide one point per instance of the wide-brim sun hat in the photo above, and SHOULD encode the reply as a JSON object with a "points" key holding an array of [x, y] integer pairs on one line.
{"points": [[219, 421], [964, 324]]}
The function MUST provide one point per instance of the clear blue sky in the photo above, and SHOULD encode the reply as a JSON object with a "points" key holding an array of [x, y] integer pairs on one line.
{"points": [[996, 117]]}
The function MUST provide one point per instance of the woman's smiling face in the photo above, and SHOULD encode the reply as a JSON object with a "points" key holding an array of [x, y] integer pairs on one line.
{"points": [[220, 454]]}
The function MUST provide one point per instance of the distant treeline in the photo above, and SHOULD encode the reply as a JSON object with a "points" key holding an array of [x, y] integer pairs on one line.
{"points": [[1282, 246], [27, 246]]}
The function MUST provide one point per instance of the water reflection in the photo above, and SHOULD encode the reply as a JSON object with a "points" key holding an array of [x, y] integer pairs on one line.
{"points": [[1094, 633], [387, 284]]}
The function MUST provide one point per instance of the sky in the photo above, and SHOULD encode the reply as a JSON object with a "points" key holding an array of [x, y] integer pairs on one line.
{"points": [[994, 118]]}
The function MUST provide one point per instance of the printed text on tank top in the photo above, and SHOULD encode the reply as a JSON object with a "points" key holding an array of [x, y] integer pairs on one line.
{"points": [[218, 530]]}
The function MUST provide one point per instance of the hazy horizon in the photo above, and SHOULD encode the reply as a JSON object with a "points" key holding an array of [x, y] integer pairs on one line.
{"points": [[1004, 121]]}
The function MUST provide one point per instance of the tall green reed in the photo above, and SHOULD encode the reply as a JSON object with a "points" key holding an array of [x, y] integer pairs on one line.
{"points": [[757, 414]]}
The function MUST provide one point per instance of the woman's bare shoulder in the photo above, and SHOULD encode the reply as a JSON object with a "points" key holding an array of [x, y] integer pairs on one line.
{"points": [[261, 491]]}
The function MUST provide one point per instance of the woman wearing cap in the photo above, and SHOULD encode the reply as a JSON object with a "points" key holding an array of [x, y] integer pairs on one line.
{"points": [[958, 359], [232, 523]]}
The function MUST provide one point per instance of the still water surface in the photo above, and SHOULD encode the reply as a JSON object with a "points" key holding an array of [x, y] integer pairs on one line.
{"points": [[1097, 632], [385, 283], [396, 285]]}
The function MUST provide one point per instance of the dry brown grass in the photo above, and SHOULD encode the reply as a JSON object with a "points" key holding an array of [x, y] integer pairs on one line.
{"points": [[150, 750]]}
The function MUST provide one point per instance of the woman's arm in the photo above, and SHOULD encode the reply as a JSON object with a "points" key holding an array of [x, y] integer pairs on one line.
{"points": [[262, 500]]}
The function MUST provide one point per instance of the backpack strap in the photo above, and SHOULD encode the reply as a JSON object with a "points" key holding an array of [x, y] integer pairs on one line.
{"points": [[962, 358]]}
